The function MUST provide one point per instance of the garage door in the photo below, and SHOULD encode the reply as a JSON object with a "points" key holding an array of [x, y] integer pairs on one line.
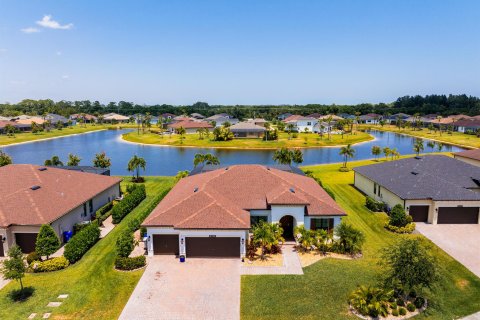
{"points": [[458, 215], [26, 241], [165, 244], [419, 213], [215, 247]]}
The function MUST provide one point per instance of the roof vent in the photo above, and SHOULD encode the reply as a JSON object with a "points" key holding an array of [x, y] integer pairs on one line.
{"points": [[292, 190], [195, 189], [42, 169], [226, 168], [35, 187], [414, 173]]}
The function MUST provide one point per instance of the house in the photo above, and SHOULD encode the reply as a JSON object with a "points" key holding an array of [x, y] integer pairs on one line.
{"points": [[55, 118], [19, 127], [466, 126], [315, 115], [457, 117], [88, 118], [435, 189], [210, 214], [5, 118], [284, 116], [197, 116], [221, 118], [247, 130], [167, 115], [301, 123], [115, 117], [347, 116], [28, 121], [335, 118], [469, 156], [370, 118], [392, 119], [258, 121], [190, 126], [33, 195], [88, 169]]}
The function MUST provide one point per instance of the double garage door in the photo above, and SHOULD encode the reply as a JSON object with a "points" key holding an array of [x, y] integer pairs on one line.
{"points": [[446, 215], [198, 247]]}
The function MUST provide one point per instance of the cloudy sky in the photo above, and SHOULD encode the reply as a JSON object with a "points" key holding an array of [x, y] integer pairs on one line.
{"points": [[238, 52]]}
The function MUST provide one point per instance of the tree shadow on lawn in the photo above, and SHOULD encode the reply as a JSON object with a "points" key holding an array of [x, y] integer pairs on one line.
{"points": [[20, 295]]}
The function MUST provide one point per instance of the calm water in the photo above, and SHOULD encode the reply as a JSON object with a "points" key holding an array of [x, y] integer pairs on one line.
{"points": [[169, 160]]}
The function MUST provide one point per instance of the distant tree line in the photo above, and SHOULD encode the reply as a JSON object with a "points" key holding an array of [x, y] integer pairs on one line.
{"points": [[440, 104]]}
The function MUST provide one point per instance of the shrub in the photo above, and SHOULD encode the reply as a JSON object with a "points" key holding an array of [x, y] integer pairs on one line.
{"points": [[411, 307], [295, 135], [393, 305], [398, 217], [47, 241], [33, 256], [412, 294], [409, 228], [395, 313], [419, 302], [251, 250], [77, 227], [373, 205], [80, 243], [343, 169], [370, 301], [125, 244], [122, 263], [400, 302], [54, 264], [103, 213], [350, 239], [128, 203], [402, 311]]}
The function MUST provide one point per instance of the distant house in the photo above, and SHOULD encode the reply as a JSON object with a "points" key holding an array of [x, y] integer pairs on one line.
{"points": [[167, 116], [247, 130], [55, 118], [315, 115], [370, 118], [335, 118], [395, 117], [88, 118], [18, 126], [197, 116], [220, 120], [469, 156], [283, 116], [435, 189], [258, 121], [301, 123], [465, 125], [28, 122], [114, 117], [35, 195], [190, 126]]}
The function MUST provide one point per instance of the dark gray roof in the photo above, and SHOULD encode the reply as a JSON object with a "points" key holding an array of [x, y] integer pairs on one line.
{"points": [[87, 169], [433, 177], [284, 167]]}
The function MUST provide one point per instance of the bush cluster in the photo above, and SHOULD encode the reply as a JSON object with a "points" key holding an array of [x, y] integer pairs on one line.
{"points": [[127, 263], [399, 221], [402, 311], [125, 244], [33, 256], [373, 205], [77, 227], [411, 307], [419, 302], [53, 264], [409, 228], [103, 213], [121, 209], [80, 243]]}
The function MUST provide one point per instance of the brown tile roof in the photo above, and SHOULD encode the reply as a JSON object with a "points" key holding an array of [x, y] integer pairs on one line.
{"points": [[189, 124], [293, 117], [60, 192], [220, 199], [471, 154]]}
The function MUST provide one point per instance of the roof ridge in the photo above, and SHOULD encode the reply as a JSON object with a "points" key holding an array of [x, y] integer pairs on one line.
{"points": [[226, 209], [196, 213]]}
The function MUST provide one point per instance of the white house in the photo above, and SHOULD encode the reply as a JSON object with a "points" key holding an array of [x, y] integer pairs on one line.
{"points": [[301, 123]]}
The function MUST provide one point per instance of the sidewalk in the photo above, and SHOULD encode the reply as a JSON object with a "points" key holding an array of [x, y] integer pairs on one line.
{"points": [[291, 264]]}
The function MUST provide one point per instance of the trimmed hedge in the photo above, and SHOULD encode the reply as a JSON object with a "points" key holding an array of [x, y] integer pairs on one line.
{"points": [[375, 206], [133, 199], [54, 264], [125, 244], [122, 263], [80, 243], [103, 213], [409, 228]]}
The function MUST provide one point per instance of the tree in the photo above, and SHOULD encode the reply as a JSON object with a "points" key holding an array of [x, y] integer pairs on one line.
{"points": [[14, 267], [205, 158], [398, 217], [386, 152], [135, 164], [376, 150], [222, 134], [181, 174], [439, 119], [59, 125], [347, 152], [290, 128], [418, 146], [439, 146], [431, 145], [10, 130], [267, 130], [5, 159], [329, 128], [297, 156], [287, 156], [181, 131], [266, 235], [370, 301], [101, 161], [409, 264], [350, 239], [47, 241], [73, 160], [55, 161]]}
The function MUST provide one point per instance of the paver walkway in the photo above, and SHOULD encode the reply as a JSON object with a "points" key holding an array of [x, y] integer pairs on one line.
{"points": [[196, 289], [291, 264], [107, 227]]}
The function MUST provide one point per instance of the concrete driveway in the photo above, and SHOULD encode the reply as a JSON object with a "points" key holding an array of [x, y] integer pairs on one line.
{"points": [[196, 289], [461, 241]]}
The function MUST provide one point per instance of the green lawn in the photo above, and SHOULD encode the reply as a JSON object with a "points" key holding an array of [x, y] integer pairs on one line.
{"points": [[96, 290], [28, 136], [323, 291], [457, 138], [302, 141]]}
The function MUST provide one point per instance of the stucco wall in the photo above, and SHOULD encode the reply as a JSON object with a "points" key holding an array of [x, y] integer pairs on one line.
{"points": [[468, 160], [297, 212], [366, 186]]}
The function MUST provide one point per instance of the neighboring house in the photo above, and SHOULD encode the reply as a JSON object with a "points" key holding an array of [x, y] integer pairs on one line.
{"points": [[258, 121], [315, 115], [457, 117], [115, 117], [88, 118], [435, 189], [469, 156], [33, 195], [348, 116], [55, 118], [20, 127], [395, 117], [247, 130], [465, 125], [370, 118], [168, 116], [190, 126], [4, 118], [210, 214], [284, 116], [28, 121], [301, 123], [335, 118], [197, 116], [221, 121]]}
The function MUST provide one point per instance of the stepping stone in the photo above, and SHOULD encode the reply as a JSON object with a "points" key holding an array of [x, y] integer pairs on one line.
{"points": [[46, 315], [63, 296], [54, 304], [33, 315]]}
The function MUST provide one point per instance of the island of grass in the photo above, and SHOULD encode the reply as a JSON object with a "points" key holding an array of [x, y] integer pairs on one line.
{"points": [[301, 140], [453, 138]]}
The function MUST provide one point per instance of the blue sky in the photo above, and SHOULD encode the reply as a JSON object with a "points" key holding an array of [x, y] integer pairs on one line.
{"points": [[238, 52]]}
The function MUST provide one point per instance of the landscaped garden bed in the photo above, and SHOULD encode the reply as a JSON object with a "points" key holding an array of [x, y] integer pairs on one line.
{"points": [[269, 260]]}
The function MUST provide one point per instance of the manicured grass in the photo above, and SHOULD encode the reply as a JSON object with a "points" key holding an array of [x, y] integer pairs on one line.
{"points": [[322, 292], [96, 290], [457, 138], [303, 140], [28, 136]]}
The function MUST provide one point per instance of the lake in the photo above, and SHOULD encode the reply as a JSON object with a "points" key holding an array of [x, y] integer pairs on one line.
{"points": [[170, 160]]}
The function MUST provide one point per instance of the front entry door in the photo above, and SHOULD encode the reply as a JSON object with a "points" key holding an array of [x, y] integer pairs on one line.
{"points": [[287, 225]]}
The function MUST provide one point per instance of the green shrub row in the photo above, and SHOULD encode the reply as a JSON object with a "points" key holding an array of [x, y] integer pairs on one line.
{"points": [[80, 243], [409, 228], [373, 205], [103, 213], [122, 263], [53, 264], [133, 199]]}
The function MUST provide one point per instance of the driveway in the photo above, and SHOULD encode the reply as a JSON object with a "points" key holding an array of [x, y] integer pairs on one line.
{"points": [[196, 289], [461, 241]]}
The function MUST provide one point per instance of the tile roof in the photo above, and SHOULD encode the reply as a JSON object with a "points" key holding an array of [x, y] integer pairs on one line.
{"points": [[190, 124], [471, 154], [60, 192], [474, 123], [246, 127], [434, 177], [221, 198]]}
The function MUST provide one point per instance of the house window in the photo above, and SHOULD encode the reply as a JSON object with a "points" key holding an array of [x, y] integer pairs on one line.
{"points": [[322, 223], [374, 188], [84, 210], [257, 219], [309, 123], [90, 205], [379, 191]]}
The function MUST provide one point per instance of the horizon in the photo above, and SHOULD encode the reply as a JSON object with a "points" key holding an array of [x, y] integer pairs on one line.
{"points": [[238, 53]]}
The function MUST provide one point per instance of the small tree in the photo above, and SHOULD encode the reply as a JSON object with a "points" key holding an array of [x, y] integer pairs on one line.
{"points": [[350, 239], [398, 217], [347, 152], [47, 241], [101, 161], [431, 145], [386, 152], [125, 244], [135, 164], [14, 267], [73, 160], [297, 156], [55, 161], [181, 131], [418, 146], [181, 174], [205, 158], [287, 156], [376, 150], [5, 159]]}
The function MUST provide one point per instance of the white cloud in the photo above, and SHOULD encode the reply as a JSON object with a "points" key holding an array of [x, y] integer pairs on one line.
{"points": [[58, 53], [65, 76], [47, 22], [30, 30]]}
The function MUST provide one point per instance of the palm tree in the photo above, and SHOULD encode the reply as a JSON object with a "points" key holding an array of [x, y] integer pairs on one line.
{"points": [[55, 161], [439, 118], [135, 164], [205, 158], [200, 133], [266, 235], [181, 131], [376, 150], [418, 146], [386, 152], [439, 146], [431, 145], [347, 152], [73, 160], [267, 128], [370, 301], [290, 128], [282, 156]]}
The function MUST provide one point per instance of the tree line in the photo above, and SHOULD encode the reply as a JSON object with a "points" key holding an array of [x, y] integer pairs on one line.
{"points": [[440, 104]]}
